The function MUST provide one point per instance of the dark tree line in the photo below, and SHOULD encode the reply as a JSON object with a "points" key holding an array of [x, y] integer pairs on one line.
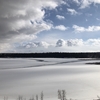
{"points": [[51, 55]]}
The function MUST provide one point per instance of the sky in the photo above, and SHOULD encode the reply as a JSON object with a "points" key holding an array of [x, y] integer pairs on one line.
{"points": [[49, 26]]}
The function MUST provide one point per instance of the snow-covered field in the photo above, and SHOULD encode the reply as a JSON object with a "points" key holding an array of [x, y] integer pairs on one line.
{"points": [[28, 77]]}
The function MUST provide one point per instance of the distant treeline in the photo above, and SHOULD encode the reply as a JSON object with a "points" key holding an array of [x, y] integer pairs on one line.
{"points": [[51, 55]]}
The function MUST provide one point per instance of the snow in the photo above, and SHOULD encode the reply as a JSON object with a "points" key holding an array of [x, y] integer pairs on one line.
{"points": [[31, 76]]}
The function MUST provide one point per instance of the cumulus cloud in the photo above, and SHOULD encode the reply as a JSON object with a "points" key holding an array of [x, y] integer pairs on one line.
{"points": [[60, 17], [72, 11], [61, 45], [78, 45], [22, 20], [61, 27], [79, 29], [69, 42], [42, 46], [87, 3], [29, 46], [93, 42], [34, 44], [15, 17], [75, 42]]}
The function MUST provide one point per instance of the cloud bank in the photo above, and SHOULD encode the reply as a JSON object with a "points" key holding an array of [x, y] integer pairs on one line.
{"points": [[61, 45]]}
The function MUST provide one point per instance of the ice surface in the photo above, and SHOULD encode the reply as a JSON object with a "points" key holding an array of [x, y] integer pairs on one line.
{"points": [[30, 76]]}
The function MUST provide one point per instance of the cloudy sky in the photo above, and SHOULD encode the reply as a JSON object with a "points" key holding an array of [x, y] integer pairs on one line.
{"points": [[49, 25]]}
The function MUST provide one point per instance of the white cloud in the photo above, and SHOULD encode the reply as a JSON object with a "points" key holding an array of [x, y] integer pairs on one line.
{"points": [[93, 42], [74, 42], [21, 20], [60, 17], [72, 11], [32, 45], [76, 1], [69, 42], [79, 29], [61, 45], [15, 17], [78, 45], [61, 27], [38, 27], [42, 44], [87, 3]]}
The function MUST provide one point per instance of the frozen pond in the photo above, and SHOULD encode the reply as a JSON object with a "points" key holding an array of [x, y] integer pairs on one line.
{"points": [[29, 77]]}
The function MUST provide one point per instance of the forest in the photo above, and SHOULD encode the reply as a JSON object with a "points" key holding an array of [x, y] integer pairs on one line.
{"points": [[52, 55]]}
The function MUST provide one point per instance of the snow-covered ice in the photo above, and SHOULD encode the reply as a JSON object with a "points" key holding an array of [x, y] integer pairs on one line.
{"points": [[30, 76]]}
